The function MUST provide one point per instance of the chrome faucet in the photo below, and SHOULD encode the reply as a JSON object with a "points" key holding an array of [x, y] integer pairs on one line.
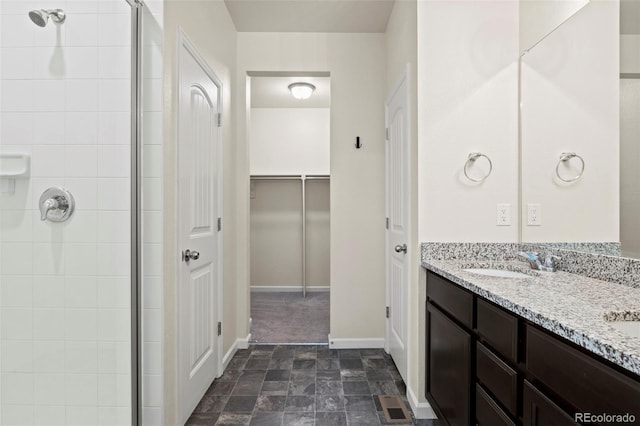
{"points": [[542, 263]]}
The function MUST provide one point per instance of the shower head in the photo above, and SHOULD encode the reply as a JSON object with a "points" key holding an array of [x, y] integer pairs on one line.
{"points": [[40, 17]]}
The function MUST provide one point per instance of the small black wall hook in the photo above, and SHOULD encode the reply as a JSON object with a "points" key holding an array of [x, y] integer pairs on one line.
{"points": [[358, 144]]}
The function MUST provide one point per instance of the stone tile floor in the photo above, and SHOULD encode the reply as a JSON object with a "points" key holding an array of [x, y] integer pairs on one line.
{"points": [[284, 385]]}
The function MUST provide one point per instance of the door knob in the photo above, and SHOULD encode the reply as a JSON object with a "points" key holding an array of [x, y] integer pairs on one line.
{"points": [[401, 248], [188, 255]]}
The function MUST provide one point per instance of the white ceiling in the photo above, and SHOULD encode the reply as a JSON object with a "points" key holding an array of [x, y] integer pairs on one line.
{"points": [[323, 16], [273, 92]]}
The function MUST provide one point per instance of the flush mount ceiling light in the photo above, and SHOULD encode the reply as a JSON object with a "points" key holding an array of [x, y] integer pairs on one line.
{"points": [[301, 90]]}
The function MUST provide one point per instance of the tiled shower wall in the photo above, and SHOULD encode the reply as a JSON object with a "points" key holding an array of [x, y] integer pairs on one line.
{"points": [[65, 287]]}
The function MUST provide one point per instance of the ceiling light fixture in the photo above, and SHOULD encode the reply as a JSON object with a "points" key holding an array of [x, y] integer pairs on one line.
{"points": [[301, 90]]}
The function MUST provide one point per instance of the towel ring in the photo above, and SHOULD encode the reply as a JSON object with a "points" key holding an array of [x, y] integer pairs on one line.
{"points": [[567, 156], [473, 156]]}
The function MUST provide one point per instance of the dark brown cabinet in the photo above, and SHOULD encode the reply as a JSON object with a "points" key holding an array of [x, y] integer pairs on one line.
{"points": [[450, 365], [488, 366]]}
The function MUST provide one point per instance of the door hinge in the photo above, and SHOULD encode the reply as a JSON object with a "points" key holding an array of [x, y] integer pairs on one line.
{"points": [[219, 119], [386, 133], [219, 328], [219, 224], [388, 312], [386, 223]]}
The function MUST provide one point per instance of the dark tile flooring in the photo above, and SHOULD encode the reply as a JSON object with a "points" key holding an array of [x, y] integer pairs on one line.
{"points": [[302, 385]]}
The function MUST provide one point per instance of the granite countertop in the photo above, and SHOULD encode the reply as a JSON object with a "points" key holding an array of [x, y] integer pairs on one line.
{"points": [[572, 306]]}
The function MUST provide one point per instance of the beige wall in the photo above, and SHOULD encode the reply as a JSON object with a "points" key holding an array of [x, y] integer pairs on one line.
{"points": [[570, 98], [209, 27], [467, 101], [401, 46], [357, 66]]}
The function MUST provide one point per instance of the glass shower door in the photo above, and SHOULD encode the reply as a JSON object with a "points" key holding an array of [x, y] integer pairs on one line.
{"points": [[65, 274]]}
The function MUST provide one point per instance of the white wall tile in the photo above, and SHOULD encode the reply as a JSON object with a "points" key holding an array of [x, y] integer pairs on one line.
{"points": [[48, 291], [81, 227], [114, 62], [152, 260], [81, 128], [153, 387], [114, 29], [114, 95], [17, 63], [17, 388], [81, 160], [17, 259], [45, 231], [49, 389], [81, 259], [114, 160], [16, 32], [48, 324], [16, 226], [17, 291], [114, 292], [114, 194], [152, 161], [48, 356], [17, 415], [152, 227], [49, 95], [51, 259], [82, 62], [82, 415], [16, 128], [152, 416], [151, 325], [47, 161], [114, 128], [82, 95], [114, 390], [17, 323], [152, 358], [17, 96], [49, 128], [84, 191], [114, 357], [114, 259], [152, 128], [114, 416], [48, 60], [152, 194], [152, 292], [114, 226], [49, 415], [81, 357], [152, 89], [81, 292], [51, 35], [17, 356], [77, 7], [113, 324], [82, 32], [81, 389], [81, 324]]}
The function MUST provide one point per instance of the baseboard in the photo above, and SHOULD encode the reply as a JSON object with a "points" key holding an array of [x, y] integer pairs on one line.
{"points": [[288, 288], [356, 343], [421, 410], [238, 344]]}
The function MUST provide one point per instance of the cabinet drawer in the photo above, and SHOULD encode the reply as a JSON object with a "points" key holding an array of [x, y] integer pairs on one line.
{"points": [[584, 382], [488, 413], [450, 298], [499, 329], [538, 410], [500, 379]]}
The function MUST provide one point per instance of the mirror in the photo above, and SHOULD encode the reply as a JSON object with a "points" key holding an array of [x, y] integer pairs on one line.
{"points": [[580, 94], [539, 18]]}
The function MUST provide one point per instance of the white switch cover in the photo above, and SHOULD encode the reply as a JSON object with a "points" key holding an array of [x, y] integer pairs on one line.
{"points": [[534, 215], [503, 212]]}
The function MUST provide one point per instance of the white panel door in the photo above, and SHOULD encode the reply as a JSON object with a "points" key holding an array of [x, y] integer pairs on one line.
{"points": [[198, 210], [397, 200]]}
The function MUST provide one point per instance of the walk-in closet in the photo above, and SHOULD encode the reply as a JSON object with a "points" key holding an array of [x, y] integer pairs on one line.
{"points": [[290, 210]]}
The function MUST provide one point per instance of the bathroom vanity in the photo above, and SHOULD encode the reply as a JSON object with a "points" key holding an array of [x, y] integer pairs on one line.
{"points": [[529, 351]]}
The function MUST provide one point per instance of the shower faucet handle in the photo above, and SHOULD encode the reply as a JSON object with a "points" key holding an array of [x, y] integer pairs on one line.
{"points": [[56, 204]]}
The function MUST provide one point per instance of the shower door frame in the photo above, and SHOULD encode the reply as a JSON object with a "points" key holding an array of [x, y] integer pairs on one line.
{"points": [[136, 210]]}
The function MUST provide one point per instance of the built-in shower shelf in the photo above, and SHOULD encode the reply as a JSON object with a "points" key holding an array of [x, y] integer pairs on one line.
{"points": [[13, 166]]}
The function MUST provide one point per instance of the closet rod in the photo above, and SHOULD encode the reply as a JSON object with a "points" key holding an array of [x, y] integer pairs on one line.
{"points": [[289, 177]]}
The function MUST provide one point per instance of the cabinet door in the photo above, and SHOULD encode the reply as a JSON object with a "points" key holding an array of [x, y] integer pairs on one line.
{"points": [[449, 384], [538, 410]]}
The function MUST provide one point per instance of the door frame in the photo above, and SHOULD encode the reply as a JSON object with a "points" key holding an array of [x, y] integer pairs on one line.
{"points": [[185, 43], [403, 79]]}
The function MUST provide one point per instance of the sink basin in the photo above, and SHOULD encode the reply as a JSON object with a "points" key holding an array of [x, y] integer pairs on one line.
{"points": [[498, 273], [630, 328]]}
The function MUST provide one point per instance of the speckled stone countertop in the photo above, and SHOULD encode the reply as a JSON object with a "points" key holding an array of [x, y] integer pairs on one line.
{"points": [[572, 306]]}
